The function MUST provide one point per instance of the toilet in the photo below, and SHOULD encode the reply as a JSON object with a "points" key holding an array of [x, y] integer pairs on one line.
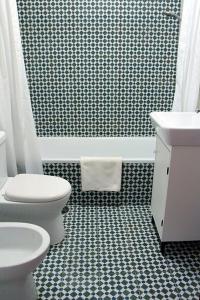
{"points": [[31, 198], [22, 248]]}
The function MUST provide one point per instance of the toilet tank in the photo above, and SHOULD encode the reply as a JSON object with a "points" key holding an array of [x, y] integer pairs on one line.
{"points": [[3, 167]]}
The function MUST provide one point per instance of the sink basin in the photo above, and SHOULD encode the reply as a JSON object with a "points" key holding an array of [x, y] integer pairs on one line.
{"points": [[178, 128]]}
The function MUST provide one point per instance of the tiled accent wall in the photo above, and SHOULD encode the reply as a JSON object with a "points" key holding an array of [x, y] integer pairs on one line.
{"points": [[136, 184], [97, 68]]}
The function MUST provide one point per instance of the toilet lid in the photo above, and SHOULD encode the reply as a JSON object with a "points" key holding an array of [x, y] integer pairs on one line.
{"points": [[36, 188]]}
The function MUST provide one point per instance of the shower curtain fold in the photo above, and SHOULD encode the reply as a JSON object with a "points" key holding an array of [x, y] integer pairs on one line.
{"points": [[16, 117], [188, 62]]}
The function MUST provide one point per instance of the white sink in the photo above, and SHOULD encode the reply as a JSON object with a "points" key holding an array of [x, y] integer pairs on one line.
{"points": [[178, 128]]}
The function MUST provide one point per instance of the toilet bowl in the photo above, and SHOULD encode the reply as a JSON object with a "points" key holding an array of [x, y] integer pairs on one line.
{"points": [[22, 248], [36, 199], [30, 198]]}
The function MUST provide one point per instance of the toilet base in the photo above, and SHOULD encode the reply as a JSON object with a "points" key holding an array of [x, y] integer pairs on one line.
{"points": [[55, 228], [47, 215], [18, 289]]}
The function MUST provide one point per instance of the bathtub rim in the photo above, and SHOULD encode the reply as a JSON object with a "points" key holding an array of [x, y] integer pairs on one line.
{"points": [[76, 161], [67, 160]]}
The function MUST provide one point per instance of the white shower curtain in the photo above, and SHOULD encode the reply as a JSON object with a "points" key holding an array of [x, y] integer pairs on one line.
{"points": [[15, 107], [188, 64]]}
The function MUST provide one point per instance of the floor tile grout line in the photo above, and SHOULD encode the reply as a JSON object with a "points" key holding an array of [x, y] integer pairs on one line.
{"points": [[118, 209], [98, 248], [134, 268], [64, 263], [173, 277], [136, 275], [171, 271], [122, 216]]}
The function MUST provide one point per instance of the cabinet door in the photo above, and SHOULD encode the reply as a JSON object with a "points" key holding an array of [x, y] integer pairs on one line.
{"points": [[160, 184]]}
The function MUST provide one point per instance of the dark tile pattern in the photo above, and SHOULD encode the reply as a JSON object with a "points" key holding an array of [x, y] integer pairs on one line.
{"points": [[112, 253], [136, 184], [97, 68]]}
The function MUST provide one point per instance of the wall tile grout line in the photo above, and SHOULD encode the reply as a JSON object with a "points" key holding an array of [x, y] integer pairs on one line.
{"points": [[98, 68]]}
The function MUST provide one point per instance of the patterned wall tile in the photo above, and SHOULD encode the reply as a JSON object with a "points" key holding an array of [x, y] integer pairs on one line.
{"points": [[136, 184], [97, 68]]}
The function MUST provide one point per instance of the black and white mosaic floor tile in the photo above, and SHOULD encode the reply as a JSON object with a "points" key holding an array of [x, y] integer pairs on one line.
{"points": [[184, 260], [49, 274], [113, 253], [117, 273], [80, 276]]}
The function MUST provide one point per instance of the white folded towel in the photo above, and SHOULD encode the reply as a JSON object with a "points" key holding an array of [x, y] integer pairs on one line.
{"points": [[101, 173]]}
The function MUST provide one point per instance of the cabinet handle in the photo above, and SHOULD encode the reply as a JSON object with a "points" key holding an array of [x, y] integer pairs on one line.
{"points": [[167, 170], [162, 223]]}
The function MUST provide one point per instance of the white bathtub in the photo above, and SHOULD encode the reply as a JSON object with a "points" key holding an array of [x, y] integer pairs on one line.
{"points": [[70, 149]]}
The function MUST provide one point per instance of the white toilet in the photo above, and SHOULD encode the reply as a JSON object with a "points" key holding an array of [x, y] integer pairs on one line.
{"points": [[22, 248], [37, 199]]}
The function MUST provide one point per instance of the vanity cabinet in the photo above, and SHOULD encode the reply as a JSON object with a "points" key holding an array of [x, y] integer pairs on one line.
{"points": [[175, 201]]}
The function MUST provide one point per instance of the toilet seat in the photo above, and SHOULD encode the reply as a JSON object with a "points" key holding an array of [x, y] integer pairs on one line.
{"points": [[32, 188]]}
